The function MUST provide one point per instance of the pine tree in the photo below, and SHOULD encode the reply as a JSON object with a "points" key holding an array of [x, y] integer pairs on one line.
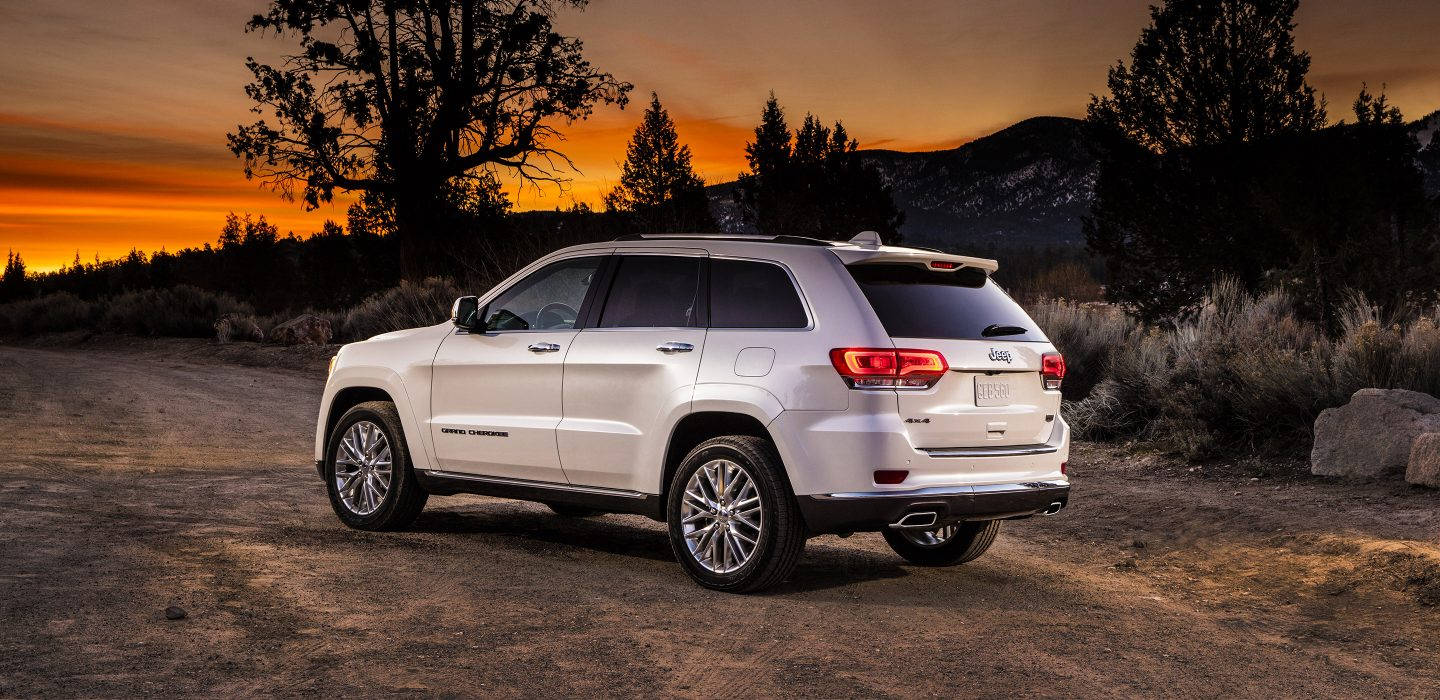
{"points": [[14, 284], [1209, 72], [659, 190], [1211, 84], [811, 182]]}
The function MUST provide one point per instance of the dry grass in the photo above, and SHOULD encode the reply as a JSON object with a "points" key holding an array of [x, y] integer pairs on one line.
{"points": [[1246, 375]]}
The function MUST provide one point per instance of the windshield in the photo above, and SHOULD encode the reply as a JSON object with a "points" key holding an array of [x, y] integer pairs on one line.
{"points": [[913, 302]]}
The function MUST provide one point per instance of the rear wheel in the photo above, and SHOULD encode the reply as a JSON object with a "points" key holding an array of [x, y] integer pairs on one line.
{"points": [[944, 546], [367, 470], [734, 524]]}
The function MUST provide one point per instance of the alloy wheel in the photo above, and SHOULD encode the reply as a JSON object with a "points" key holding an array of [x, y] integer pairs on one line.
{"points": [[721, 516], [362, 468]]}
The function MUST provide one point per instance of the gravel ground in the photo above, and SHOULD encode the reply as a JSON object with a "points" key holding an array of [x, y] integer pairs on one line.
{"points": [[140, 475]]}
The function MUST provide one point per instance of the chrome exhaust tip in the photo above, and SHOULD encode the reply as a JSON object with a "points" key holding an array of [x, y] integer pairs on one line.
{"points": [[922, 520], [1053, 508]]}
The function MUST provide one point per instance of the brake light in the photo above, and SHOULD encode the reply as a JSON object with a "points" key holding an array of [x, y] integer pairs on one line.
{"points": [[1052, 369], [944, 264], [887, 368]]}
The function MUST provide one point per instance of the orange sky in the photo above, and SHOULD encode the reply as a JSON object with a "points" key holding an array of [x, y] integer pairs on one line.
{"points": [[113, 114]]}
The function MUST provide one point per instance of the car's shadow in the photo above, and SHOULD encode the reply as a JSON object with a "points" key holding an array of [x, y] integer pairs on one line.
{"points": [[826, 563]]}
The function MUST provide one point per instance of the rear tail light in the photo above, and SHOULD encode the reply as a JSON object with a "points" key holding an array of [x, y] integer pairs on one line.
{"points": [[888, 368], [1052, 369]]}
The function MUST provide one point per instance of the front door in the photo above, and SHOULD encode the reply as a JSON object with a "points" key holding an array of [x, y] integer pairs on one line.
{"points": [[631, 372], [496, 394]]}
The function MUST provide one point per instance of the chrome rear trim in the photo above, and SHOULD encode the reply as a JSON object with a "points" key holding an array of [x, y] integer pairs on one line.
{"points": [[597, 490], [1056, 441], [956, 490]]}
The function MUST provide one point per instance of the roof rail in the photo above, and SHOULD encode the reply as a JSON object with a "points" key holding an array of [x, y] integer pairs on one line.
{"points": [[746, 237]]}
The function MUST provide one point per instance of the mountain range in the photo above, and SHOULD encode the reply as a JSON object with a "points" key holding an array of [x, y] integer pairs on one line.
{"points": [[1030, 183]]}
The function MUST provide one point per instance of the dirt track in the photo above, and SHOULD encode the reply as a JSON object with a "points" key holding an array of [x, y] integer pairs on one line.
{"points": [[138, 477]]}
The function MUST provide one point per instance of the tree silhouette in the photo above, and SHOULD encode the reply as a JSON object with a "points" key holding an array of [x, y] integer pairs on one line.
{"points": [[1175, 201], [812, 183], [403, 98], [1209, 72], [14, 284], [659, 190]]}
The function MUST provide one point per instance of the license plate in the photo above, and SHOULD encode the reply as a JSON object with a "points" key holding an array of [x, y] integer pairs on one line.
{"points": [[992, 391]]}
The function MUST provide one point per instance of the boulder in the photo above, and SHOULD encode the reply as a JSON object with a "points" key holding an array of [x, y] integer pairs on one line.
{"points": [[305, 329], [1373, 434], [1424, 468]]}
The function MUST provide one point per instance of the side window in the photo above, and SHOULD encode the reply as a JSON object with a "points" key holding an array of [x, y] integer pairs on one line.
{"points": [[546, 299], [653, 291], [746, 294]]}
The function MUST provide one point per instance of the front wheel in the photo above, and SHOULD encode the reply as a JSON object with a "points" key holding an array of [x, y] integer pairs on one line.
{"points": [[367, 470], [734, 524], [944, 546]]}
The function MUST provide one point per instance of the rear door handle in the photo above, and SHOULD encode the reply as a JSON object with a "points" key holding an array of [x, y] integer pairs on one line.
{"points": [[544, 347], [672, 347]]}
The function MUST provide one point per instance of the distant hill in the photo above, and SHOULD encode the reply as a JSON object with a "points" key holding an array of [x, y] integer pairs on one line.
{"points": [[1029, 183]]}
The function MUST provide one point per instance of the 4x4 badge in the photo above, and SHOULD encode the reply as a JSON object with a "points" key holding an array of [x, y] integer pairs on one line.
{"points": [[1000, 355]]}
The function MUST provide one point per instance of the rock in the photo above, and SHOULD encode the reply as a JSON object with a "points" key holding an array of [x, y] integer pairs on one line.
{"points": [[232, 327], [305, 329], [1372, 435], [1424, 467], [174, 613]]}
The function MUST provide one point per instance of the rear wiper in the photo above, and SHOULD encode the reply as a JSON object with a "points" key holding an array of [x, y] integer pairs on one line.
{"points": [[995, 329]]}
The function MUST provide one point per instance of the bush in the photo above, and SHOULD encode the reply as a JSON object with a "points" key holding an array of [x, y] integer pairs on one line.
{"points": [[407, 306], [52, 313], [1245, 375], [181, 311], [1087, 335]]}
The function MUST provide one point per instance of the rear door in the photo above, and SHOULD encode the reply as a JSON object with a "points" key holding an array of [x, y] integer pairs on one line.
{"points": [[632, 369], [993, 394]]}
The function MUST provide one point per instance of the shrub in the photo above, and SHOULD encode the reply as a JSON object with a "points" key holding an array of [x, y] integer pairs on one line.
{"points": [[1087, 335], [406, 306], [1246, 374], [52, 313], [239, 327], [181, 311]]}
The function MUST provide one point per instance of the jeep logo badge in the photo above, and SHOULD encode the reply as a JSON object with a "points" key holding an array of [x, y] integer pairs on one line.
{"points": [[1000, 355]]}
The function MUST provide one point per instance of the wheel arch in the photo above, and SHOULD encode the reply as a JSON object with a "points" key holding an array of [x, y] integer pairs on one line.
{"points": [[350, 397], [697, 427]]}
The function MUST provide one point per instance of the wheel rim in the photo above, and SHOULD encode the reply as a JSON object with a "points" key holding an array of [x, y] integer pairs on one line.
{"points": [[931, 538], [362, 468], [721, 516]]}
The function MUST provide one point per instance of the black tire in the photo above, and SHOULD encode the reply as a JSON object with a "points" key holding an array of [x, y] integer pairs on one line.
{"points": [[405, 498], [782, 535], [970, 541], [570, 510]]}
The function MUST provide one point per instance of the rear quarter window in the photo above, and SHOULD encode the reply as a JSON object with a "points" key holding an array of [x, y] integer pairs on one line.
{"points": [[915, 302], [747, 294]]}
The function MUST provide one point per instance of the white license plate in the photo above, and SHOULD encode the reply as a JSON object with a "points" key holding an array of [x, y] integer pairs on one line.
{"points": [[992, 391]]}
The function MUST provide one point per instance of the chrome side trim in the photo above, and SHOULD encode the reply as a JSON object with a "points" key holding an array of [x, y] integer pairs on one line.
{"points": [[1056, 441], [956, 490], [597, 490]]}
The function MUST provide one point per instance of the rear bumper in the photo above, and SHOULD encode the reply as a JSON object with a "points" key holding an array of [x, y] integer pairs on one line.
{"points": [[867, 511]]}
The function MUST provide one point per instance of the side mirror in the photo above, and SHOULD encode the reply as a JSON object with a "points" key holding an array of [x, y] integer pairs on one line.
{"points": [[464, 312]]}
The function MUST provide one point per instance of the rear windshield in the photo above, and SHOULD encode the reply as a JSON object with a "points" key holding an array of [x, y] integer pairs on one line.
{"points": [[913, 302]]}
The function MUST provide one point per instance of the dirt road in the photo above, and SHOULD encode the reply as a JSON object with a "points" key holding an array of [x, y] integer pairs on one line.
{"points": [[136, 478]]}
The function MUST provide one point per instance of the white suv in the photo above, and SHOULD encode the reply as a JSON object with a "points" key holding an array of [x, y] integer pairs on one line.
{"points": [[749, 391]]}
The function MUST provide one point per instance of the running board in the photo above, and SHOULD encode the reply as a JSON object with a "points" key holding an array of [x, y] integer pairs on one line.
{"points": [[445, 483]]}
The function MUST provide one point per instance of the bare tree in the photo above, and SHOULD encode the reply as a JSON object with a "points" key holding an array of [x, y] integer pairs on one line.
{"points": [[405, 99]]}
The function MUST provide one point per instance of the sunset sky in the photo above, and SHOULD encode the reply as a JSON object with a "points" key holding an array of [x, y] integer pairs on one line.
{"points": [[114, 114]]}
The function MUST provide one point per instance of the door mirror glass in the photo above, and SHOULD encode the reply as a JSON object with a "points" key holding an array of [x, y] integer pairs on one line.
{"points": [[464, 311]]}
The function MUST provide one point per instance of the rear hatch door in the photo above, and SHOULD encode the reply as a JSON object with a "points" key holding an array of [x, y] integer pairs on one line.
{"points": [[993, 394]]}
